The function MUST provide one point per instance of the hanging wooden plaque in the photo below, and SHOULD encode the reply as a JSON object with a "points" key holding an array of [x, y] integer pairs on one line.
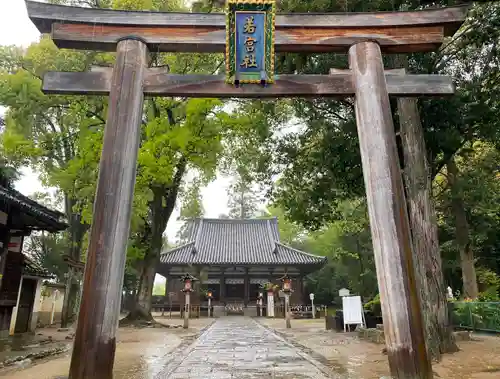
{"points": [[250, 26]]}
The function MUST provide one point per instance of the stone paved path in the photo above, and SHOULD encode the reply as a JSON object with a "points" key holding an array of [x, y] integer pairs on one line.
{"points": [[239, 347]]}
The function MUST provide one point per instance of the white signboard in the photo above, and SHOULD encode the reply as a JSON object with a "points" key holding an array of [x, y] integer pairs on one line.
{"points": [[343, 292], [311, 296], [352, 311], [270, 304]]}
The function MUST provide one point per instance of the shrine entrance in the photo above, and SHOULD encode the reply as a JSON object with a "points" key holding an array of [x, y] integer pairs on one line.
{"points": [[250, 74]]}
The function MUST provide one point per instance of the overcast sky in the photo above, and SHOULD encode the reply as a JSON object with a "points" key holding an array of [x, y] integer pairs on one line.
{"points": [[17, 29]]}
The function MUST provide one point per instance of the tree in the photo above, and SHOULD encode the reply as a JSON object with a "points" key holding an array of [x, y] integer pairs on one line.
{"points": [[47, 251], [290, 232], [242, 197], [322, 165], [191, 208], [44, 132], [424, 231], [8, 175], [347, 244], [469, 189], [462, 232], [61, 137]]}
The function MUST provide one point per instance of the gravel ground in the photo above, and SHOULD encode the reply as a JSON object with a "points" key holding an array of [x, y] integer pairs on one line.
{"points": [[140, 352], [345, 353]]}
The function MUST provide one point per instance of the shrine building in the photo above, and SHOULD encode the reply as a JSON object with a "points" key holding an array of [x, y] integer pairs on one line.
{"points": [[21, 278], [232, 258]]}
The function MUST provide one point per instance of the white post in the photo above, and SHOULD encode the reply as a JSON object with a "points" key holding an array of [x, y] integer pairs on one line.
{"points": [[209, 306], [53, 311], [186, 311], [287, 311], [36, 305], [260, 306], [270, 304], [13, 318], [313, 308]]}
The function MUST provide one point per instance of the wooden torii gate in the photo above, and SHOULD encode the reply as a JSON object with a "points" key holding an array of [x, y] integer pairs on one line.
{"points": [[133, 34]]}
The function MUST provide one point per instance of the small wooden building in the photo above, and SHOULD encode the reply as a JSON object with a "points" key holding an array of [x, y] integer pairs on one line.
{"points": [[233, 258], [20, 278], [27, 310]]}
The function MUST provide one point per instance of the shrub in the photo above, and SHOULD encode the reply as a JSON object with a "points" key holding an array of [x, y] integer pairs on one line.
{"points": [[374, 306], [476, 315]]}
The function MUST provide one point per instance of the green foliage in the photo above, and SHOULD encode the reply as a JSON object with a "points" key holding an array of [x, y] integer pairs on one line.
{"points": [[61, 136], [476, 315], [374, 306], [291, 233], [489, 284], [321, 161], [490, 294], [243, 198], [479, 188], [191, 208], [47, 251], [270, 287], [347, 245], [8, 175]]}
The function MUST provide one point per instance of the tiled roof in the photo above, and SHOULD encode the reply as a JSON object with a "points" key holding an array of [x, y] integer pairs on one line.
{"points": [[40, 217], [227, 241], [34, 269]]}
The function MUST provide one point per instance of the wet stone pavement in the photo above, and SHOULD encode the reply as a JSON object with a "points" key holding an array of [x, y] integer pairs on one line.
{"points": [[239, 347]]}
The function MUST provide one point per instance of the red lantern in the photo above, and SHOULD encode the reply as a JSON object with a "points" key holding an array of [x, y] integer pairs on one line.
{"points": [[188, 280], [287, 283]]}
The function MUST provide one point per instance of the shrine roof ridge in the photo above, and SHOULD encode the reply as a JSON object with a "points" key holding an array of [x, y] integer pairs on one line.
{"points": [[44, 15], [235, 220]]}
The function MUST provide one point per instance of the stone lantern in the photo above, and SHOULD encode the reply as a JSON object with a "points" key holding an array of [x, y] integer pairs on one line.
{"points": [[260, 300], [209, 297], [287, 290], [188, 281]]}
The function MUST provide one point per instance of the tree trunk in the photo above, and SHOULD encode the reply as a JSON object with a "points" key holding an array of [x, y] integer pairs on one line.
{"points": [[141, 309], [470, 288], [423, 224], [161, 208], [77, 231]]}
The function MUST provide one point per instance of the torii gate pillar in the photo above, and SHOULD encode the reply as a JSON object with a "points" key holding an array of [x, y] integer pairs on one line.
{"points": [[95, 342], [389, 221]]}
